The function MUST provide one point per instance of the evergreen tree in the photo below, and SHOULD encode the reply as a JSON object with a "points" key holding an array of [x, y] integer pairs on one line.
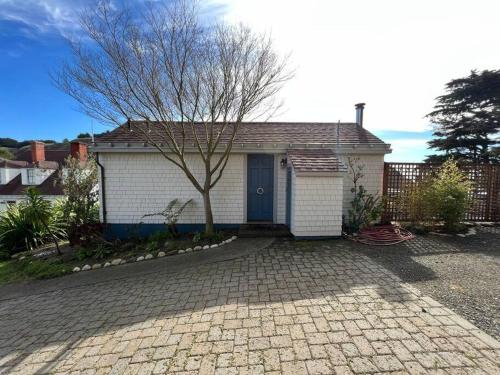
{"points": [[467, 119]]}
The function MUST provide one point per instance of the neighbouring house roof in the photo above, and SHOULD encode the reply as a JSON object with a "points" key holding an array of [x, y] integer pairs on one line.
{"points": [[315, 160], [47, 187], [252, 133], [52, 154], [14, 164]]}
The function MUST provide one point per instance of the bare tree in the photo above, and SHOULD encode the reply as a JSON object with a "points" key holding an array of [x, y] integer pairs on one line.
{"points": [[186, 86]]}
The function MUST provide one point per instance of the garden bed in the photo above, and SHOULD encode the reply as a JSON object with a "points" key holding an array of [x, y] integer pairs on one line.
{"points": [[45, 263]]}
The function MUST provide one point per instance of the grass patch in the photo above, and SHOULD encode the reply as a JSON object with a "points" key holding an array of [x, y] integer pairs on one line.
{"points": [[29, 269]]}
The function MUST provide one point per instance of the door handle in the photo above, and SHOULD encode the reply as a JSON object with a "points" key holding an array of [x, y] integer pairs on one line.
{"points": [[260, 190]]}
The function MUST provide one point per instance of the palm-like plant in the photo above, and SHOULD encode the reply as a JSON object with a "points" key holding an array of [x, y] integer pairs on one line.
{"points": [[39, 211], [28, 224]]}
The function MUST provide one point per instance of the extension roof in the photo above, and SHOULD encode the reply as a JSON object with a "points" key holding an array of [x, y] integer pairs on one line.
{"points": [[252, 133], [315, 161]]}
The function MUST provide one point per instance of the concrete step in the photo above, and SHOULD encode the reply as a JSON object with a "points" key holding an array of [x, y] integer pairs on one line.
{"points": [[263, 230]]}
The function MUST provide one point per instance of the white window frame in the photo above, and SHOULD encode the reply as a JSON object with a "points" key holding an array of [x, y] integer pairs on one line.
{"points": [[30, 176]]}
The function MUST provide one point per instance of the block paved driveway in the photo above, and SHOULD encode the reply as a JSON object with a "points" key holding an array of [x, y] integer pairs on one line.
{"points": [[296, 308]]}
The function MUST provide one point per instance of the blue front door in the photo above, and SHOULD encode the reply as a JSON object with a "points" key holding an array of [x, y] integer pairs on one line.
{"points": [[260, 187]]}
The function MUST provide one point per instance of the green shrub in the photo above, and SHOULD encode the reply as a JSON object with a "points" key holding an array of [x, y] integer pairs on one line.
{"points": [[28, 224], [202, 237], [449, 195], [102, 251], [441, 197], [79, 207], [94, 250], [84, 253], [365, 207]]}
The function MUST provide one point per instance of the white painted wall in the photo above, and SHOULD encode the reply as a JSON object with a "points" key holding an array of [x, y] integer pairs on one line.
{"points": [[316, 206], [144, 183], [5, 199], [7, 174], [373, 176], [40, 175]]}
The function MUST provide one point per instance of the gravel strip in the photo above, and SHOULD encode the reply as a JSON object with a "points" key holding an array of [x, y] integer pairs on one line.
{"points": [[461, 273]]}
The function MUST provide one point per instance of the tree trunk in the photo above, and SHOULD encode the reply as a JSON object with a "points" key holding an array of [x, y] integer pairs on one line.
{"points": [[209, 219]]}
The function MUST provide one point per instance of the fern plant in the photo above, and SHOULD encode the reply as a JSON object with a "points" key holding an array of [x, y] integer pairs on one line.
{"points": [[172, 213]]}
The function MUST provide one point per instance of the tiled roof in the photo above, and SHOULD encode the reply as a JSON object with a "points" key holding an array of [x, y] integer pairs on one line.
{"points": [[315, 160], [253, 133], [14, 164], [56, 155], [48, 187]]}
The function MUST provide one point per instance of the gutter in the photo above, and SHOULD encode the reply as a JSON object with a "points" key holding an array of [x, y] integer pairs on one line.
{"points": [[103, 188], [360, 148]]}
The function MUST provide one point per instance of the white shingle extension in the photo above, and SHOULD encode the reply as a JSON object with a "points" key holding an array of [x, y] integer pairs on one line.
{"points": [[142, 183]]}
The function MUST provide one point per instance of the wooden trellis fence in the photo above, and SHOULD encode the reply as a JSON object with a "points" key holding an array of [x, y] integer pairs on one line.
{"points": [[485, 195]]}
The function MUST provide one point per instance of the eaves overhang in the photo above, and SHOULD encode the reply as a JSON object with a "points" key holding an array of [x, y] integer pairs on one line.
{"points": [[345, 148]]}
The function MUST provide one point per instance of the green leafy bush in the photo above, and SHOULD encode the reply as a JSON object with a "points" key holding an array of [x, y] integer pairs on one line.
{"points": [[202, 237], [365, 207], [440, 197], [79, 207], [28, 224]]}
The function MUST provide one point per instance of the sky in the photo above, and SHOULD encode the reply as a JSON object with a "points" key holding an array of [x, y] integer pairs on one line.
{"points": [[394, 55]]}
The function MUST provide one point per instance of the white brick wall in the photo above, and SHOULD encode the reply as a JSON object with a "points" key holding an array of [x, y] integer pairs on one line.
{"points": [[373, 177], [316, 206], [143, 183]]}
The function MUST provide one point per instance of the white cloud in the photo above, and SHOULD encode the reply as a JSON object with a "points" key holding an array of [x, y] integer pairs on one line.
{"points": [[42, 16], [394, 55]]}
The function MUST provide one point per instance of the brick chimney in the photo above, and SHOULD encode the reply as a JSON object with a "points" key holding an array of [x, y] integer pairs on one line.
{"points": [[37, 151], [79, 151]]}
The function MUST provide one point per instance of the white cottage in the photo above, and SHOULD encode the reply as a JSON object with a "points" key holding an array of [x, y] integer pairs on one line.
{"points": [[293, 174]]}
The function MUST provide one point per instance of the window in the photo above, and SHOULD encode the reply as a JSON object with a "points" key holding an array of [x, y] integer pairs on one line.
{"points": [[31, 176]]}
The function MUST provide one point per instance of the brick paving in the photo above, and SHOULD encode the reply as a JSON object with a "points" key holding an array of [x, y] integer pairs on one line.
{"points": [[294, 308]]}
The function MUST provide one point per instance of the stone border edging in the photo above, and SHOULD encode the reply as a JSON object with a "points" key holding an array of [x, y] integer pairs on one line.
{"points": [[149, 256]]}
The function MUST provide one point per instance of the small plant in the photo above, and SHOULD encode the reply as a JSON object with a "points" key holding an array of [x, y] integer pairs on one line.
{"points": [[365, 207], [102, 251], [171, 214], [84, 253], [160, 236], [201, 237], [441, 197], [96, 250], [197, 237]]}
